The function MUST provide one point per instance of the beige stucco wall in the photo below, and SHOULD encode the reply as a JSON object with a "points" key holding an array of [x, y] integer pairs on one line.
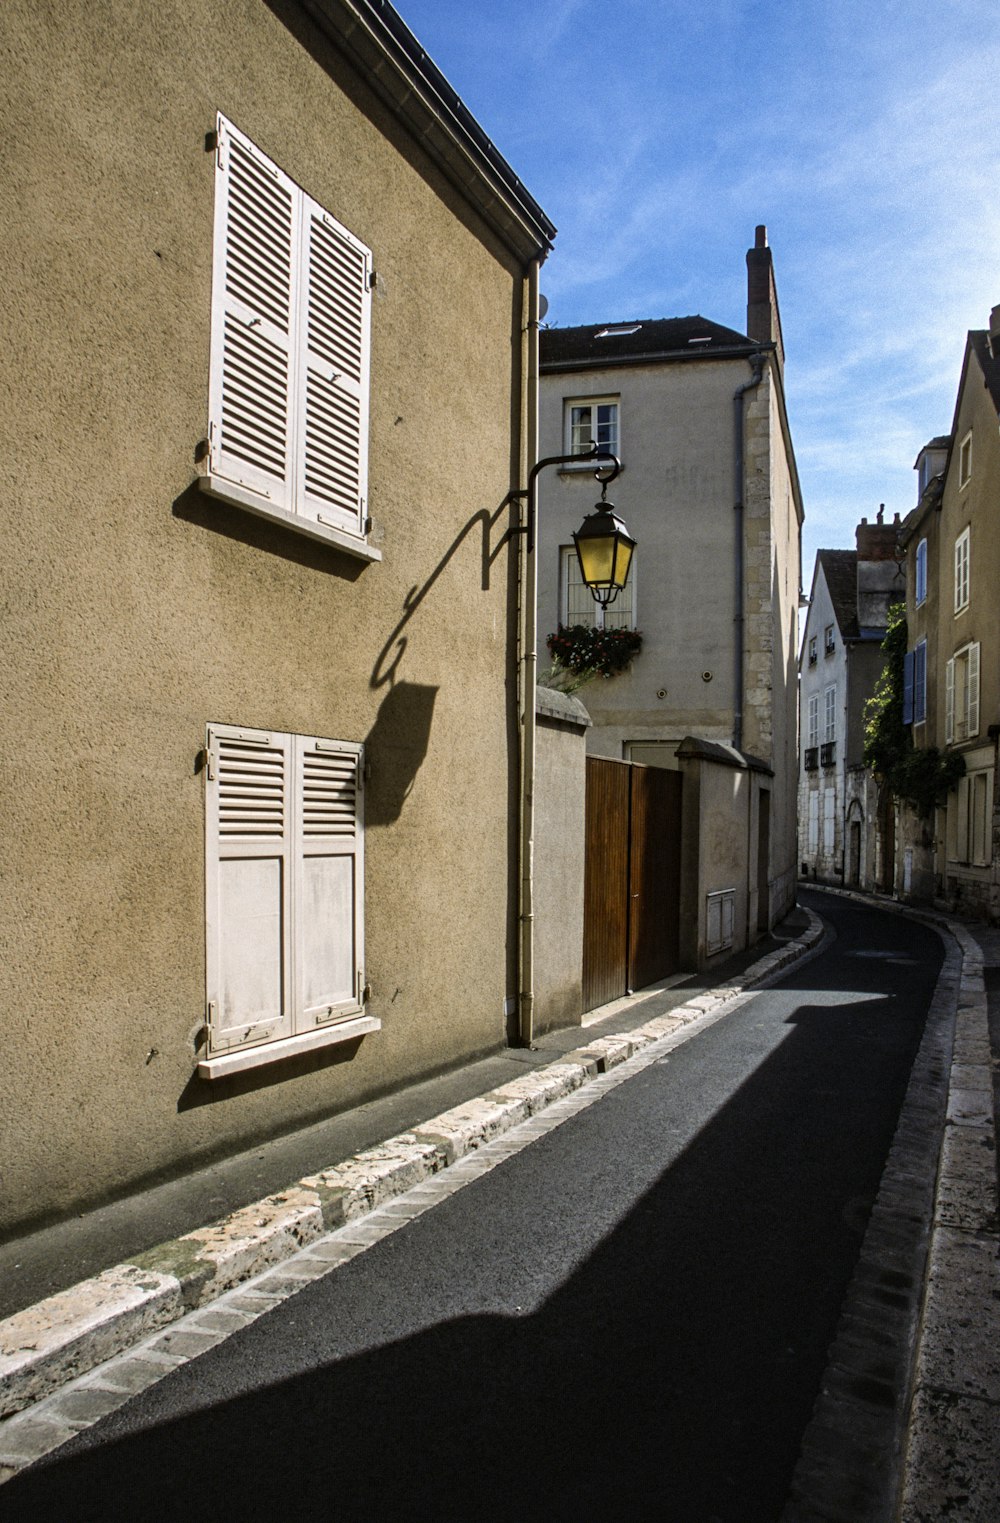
{"points": [[675, 494], [137, 610], [966, 885], [773, 575]]}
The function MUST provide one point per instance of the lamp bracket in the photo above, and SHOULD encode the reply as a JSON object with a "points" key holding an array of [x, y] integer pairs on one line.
{"points": [[596, 452]]}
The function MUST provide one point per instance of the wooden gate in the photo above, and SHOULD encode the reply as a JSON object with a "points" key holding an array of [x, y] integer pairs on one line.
{"points": [[632, 878]]}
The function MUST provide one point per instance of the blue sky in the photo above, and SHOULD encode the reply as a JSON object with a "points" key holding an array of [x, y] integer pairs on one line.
{"points": [[657, 133]]}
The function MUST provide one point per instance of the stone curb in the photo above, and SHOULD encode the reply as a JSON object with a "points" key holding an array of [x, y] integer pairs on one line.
{"points": [[907, 1425], [64, 1336]]}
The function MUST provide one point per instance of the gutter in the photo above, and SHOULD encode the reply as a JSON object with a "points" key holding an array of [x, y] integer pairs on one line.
{"points": [[739, 618], [527, 675]]}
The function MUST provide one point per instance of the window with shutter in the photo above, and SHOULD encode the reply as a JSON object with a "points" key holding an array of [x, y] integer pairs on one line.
{"points": [[962, 694], [284, 896], [289, 385]]}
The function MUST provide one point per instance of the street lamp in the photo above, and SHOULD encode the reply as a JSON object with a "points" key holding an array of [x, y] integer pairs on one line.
{"points": [[604, 549], [603, 544]]}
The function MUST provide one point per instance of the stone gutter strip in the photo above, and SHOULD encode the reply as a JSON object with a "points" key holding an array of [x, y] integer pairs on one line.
{"points": [[906, 1428], [47, 1345], [953, 1453]]}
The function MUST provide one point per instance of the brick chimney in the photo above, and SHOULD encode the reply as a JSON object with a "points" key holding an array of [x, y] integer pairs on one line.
{"points": [[763, 318], [877, 541]]}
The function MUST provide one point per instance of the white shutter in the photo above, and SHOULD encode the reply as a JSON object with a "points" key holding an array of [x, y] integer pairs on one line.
{"points": [[972, 690], [248, 884], [949, 701], [333, 344], [253, 300], [813, 835], [329, 880], [962, 821]]}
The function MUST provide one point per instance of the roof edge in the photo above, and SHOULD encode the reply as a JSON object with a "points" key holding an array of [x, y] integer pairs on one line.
{"points": [[374, 37]]}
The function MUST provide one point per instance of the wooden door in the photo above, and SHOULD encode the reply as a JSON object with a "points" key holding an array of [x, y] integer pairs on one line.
{"points": [[632, 882], [654, 874], [606, 879]]}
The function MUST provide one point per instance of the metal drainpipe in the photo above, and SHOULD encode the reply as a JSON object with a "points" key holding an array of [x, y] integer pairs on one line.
{"points": [[528, 626], [757, 365]]}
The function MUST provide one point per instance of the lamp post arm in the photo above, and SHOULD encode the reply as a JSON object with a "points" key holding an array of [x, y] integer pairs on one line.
{"points": [[596, 452]]}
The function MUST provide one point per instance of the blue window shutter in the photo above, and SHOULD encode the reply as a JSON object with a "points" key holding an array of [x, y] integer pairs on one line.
{"points": [[908, 688], [920, 683]]}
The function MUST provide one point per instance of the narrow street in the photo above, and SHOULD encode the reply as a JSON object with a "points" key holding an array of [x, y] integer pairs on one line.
{"points": [[626, 1319]]}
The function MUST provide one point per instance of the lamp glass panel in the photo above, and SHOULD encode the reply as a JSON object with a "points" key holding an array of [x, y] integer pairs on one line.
{"points": [[623, 563], [597, 559]]}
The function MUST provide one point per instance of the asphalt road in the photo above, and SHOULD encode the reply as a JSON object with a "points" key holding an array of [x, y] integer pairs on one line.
{"points": [[627, 1320]]}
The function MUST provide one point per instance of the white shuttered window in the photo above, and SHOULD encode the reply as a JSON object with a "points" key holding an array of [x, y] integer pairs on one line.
{"points": [[291, 316], [284, 891]]}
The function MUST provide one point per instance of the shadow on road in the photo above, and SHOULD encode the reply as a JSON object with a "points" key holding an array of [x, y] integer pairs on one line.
{"points": [[670, 1377]]}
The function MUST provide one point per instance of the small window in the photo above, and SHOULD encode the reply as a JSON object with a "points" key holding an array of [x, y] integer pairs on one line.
{"points": [[965, 461], [593, 420], [576, 602], [812, 650], [829, 644], [962, 571], [920, 578]]}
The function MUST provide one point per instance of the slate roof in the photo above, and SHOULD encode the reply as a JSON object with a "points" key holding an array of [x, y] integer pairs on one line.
{"points": [[624, 342], [840, 567], [980, 341]]}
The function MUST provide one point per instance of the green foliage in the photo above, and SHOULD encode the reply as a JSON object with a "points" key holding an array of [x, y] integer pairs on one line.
{"points": [[580, 653], [887, 739], [920, 778], [923, 778]]}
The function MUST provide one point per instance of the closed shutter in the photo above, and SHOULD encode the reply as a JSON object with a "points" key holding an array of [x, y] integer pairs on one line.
{"points": [[291, 321], [329, 878], [919, 684], [908, 687], [949, 701], [972, 690], [334, 329], [248, 886], [962, 821], [252, 320]]}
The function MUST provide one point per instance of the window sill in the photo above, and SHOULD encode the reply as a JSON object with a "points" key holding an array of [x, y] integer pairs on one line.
{"points": [[288, 1047], [581, 468], [242, 497]]}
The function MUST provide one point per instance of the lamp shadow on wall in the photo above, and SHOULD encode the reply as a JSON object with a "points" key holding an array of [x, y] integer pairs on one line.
{"points": [[397, 743], [394, 649]]}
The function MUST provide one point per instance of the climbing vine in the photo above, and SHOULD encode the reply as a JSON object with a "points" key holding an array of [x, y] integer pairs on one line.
{"points": [[918, 777]]}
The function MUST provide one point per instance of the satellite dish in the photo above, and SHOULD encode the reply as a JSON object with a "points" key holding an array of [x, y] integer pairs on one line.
{"points": [[543, 307]]}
